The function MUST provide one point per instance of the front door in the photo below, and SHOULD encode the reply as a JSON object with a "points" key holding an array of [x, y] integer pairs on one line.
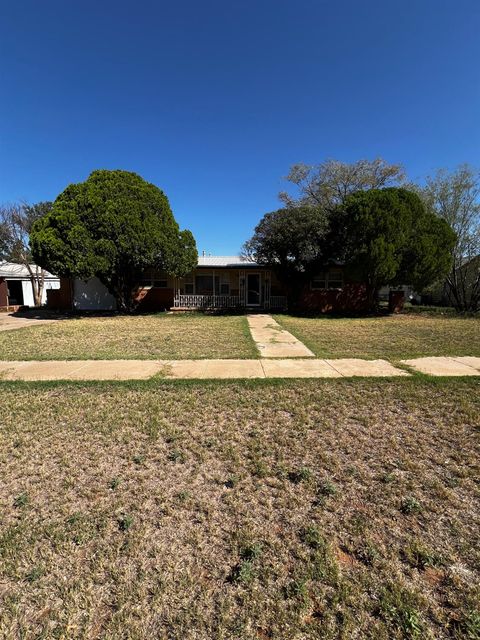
{"points": [[253, 289]]}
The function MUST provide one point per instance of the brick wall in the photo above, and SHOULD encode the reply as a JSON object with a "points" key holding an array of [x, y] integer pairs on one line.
{"points": [[60, 299], [3, 293], [351, 298], [154, 299]]}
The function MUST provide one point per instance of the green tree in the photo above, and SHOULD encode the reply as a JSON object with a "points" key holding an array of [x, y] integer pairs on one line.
{"points": [[112, 226], [290, 241], [387, 236], [182, 256]]}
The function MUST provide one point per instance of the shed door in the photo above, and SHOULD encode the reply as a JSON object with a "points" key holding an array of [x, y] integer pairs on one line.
{"points": [[15, 292]]}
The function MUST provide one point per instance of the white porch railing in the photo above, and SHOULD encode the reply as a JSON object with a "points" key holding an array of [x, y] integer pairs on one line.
{"points": [[278, 302], [194, 301]]}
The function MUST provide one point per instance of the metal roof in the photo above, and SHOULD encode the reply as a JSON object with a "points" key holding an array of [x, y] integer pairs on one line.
{"points": [[15, 271], [224, 261]]}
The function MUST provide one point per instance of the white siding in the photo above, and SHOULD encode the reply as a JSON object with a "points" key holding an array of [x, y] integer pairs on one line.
{"points": [[28, 292], [92, 296]]}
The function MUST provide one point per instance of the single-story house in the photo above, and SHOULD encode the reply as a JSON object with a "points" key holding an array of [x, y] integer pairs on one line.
{"points": [[219, 282], [16, 286]]}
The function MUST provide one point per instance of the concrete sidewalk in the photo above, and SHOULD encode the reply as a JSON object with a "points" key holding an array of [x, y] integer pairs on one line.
{"points": [[446, 365], [231, 369], [273, 341], [80, 370], [194, 369]]}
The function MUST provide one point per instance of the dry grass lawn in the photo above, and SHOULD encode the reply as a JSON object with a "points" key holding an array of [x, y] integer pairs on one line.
{"points": [[392, 337], [156, 336], [299, 510]]}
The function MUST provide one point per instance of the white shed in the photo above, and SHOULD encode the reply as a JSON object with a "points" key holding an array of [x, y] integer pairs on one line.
{"points": [[16, 286]]}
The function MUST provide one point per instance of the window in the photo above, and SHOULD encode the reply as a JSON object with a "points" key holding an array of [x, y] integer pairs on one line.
{"points": [[335, 279], [204, 285], [319, 281], [328, 280], [189, 288], [225, 284], [148, 282]]}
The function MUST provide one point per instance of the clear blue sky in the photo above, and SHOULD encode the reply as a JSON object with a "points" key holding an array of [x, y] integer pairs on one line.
{"points": [[214, 100]]}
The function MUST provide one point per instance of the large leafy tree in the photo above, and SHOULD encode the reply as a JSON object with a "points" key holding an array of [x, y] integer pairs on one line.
{"points": [[112, 226], [291, 241], [388, 236]]}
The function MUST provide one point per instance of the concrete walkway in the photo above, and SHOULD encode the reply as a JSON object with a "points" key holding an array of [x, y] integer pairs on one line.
{"points": [[273, 341], [277, 368], [9, 322], [446, 366], [80, 369], [231, 369], [194, 369]]}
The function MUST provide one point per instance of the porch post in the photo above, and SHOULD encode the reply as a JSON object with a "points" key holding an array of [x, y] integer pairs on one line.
{"points": [[242, 287], [268, 288], [214, 290]]}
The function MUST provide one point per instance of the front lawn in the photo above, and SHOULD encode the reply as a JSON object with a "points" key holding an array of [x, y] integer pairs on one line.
{"points": [[280, 511], [393, 337], [156, 336]]}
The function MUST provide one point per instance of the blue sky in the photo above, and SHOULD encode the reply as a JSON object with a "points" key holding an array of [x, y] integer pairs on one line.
{"points": [[214, 100]]}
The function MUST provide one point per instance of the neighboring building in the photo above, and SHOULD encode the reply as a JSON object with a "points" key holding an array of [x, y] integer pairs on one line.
{"points": [[218, 282], [16, 286], [408, 291]]}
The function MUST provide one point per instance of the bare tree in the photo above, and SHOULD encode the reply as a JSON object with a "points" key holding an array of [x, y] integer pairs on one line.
{"points": [[330, 182], [4, 242], [455, 196], [16, 221]]}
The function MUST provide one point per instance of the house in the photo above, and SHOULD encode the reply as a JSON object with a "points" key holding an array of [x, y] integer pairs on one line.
{"points": [[16, 287], [219, 282]]}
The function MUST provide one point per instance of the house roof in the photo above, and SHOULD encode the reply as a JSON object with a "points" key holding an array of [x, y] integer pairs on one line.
{"points": [[225, 261], [15, 271]]}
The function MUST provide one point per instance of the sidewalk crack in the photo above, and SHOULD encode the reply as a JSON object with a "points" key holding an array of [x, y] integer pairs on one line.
{"points": [[334, 368]]}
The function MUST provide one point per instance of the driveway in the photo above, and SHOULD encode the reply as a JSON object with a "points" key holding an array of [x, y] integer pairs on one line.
{"points": [[9, 321]]}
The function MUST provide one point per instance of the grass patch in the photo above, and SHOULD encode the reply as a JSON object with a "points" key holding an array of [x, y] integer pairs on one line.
{"points": [[120, 537], [155, 336], [393, 337]]}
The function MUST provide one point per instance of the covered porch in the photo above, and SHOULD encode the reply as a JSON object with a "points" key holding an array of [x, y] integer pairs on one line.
{"points": [[228, 288]]}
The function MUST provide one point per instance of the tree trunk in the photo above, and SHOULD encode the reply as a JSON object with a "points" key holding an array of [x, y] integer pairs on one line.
{"points": [[37, 280], [372, 296], [122, 290]]}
